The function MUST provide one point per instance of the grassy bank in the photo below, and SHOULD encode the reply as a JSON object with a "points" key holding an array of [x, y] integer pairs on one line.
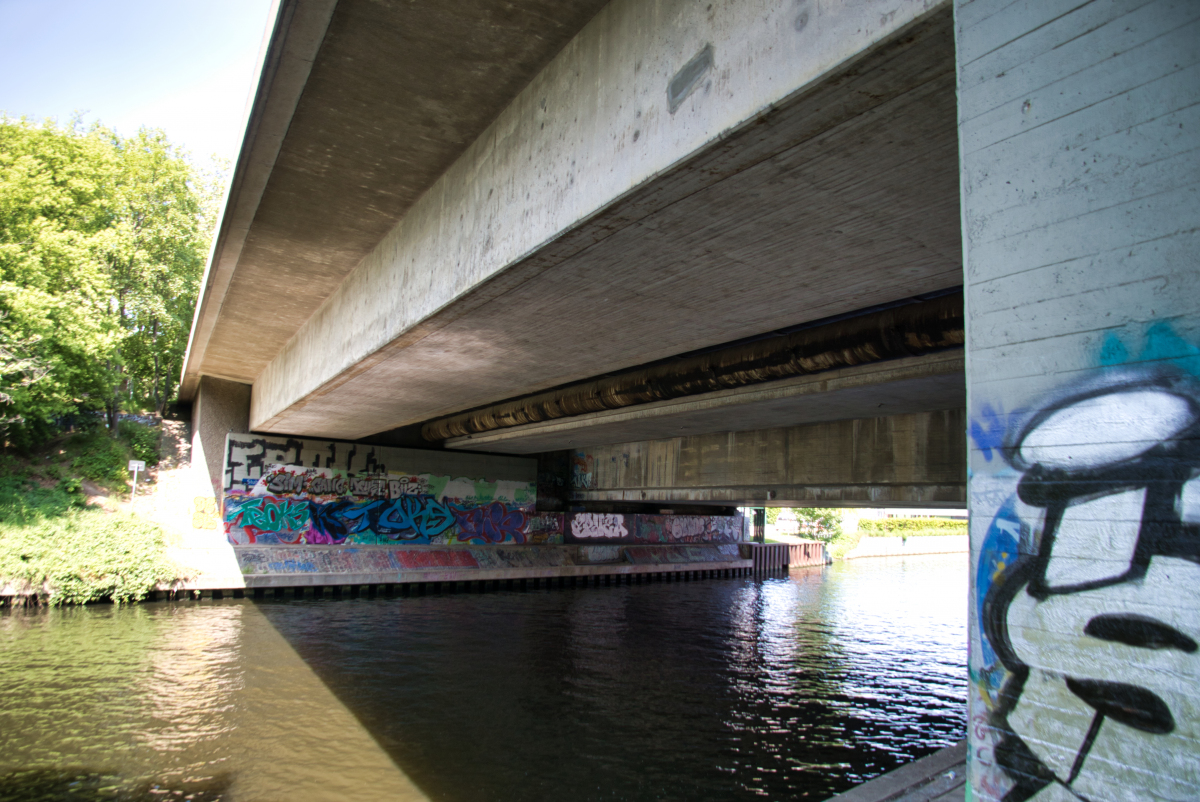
{"points": [[912, 527], [57, 547], [843, 542]]}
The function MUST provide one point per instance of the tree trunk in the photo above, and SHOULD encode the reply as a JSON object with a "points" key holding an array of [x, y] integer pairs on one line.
{"points": [[159, 397]]}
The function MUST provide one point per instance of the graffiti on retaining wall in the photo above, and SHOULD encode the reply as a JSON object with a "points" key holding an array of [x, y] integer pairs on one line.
{"points": [[289, 491], [587, 526], [1088, 594], [265, 560], [675, 555], [592, 527]]}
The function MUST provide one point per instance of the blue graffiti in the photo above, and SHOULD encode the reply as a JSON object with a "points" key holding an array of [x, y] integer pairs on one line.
{"points": [[1163, 344], [1000, 549], [1112, 351], [406, 518], [988, 431], [410, 517]]}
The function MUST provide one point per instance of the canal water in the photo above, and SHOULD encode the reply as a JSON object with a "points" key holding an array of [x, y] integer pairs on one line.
{"points": [[793, 687]]}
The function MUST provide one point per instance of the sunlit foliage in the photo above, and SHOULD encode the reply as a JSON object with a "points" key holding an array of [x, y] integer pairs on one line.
{"points": [[102, 244]]}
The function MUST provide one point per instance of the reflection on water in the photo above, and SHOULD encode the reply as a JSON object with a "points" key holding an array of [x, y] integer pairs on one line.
{"points": [[783, 688]]}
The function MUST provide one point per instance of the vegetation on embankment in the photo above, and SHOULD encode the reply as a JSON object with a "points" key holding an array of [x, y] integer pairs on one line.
{"points": [[912, 527], [845, 542], [57, 547], [842, 543], [102, 244]]}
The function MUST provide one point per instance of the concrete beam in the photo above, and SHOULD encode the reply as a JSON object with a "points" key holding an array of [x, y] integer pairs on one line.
{"points": [[287, 58], [619, 212], [361, 105], [916, 460], [916, 384]]}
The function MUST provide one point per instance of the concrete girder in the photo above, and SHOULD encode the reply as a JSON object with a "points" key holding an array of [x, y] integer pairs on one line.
{"points": [[916, 460], [361, 105], [811, 172], [916, 384]]}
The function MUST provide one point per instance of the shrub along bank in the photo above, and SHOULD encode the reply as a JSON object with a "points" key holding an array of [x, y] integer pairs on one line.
{"points": [[911, 527], [54, 546]]}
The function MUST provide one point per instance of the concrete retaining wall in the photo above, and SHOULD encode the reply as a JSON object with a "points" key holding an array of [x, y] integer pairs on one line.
{"points": [[300, 566], [899, 546]]}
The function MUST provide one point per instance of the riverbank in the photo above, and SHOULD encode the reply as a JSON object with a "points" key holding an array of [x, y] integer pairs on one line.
{"points": [[69, 531], [874, 546]]}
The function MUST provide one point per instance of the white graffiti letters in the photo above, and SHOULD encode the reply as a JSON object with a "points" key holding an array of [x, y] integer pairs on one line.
{"points": [[593, 524]]}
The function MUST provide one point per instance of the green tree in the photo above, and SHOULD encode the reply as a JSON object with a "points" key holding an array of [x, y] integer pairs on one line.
{"points": [[102, 244], [821, 522]]}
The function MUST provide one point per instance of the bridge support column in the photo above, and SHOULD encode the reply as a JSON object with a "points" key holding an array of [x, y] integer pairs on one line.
{"points": [[1080, 169]]}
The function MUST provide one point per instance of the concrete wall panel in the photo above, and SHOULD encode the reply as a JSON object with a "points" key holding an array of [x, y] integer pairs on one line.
{"points": [[1080, 180]]}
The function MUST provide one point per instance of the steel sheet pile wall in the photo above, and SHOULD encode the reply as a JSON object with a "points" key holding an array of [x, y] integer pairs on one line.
{"points": [[1080, 178]]}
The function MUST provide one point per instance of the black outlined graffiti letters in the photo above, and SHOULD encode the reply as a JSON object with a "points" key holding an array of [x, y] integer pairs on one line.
{"points": [[1097, 621]]}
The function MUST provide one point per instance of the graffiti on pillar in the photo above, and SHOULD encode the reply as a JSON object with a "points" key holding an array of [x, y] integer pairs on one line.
{"points": [[583, 471], [1087, 592], [290, 491], [593, 527]]}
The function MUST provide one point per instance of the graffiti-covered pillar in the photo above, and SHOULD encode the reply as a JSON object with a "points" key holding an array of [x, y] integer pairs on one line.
{"points": [[1078, 141]]}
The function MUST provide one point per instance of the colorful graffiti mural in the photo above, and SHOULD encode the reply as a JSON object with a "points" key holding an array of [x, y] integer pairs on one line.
{"points": [[594, 527], [1087, 592], [287, 491], [412, 563]]}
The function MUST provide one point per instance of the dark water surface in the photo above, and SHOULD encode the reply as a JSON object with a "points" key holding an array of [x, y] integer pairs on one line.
{"points": [[785, 688]]}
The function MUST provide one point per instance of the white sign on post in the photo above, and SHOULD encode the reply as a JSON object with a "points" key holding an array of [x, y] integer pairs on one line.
{"points": [[135, 465]]}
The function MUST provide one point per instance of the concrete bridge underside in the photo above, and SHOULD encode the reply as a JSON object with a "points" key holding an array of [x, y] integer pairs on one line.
{"points": [[490, 220], [609, 216]]}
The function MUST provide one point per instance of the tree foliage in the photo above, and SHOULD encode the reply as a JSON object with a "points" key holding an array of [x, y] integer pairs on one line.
{"points": [[102, 244], [822, 522]]}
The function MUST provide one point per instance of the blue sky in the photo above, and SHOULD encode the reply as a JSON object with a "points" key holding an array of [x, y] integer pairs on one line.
{"points": [[186, 66]]}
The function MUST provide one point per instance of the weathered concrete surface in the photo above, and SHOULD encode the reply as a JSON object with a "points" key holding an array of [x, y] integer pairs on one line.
{"points": [[287, 57], [810, 172], [611, 573], [1080, 131], [220, 408], [361, 106], [903, 460], [901, 386], [910, 328], [191, 510]]}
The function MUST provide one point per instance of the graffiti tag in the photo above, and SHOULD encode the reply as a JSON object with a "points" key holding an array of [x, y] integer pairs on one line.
{"points": [[1093, 616]]}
